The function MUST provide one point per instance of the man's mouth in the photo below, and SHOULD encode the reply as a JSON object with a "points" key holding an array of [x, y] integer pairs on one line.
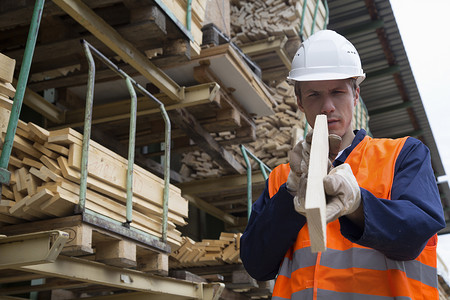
{"points": [[332, 122]]}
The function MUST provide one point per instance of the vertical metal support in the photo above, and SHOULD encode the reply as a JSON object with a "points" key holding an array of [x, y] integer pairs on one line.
{"points": [[316, 9], [130, 81], [131, 150], [20, 91], [87, 128], [302, 20], [361, 111], [249, 182], [367, 115], [189, 15], [305, 131], [327, 14], [263, 167], [166, 171]]}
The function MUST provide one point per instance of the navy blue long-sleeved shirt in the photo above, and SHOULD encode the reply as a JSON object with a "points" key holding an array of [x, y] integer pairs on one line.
{"points": [[399, 228]]}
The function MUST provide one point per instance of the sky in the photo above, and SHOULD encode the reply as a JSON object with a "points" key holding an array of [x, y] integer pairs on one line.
{"points": [[422, 27]]}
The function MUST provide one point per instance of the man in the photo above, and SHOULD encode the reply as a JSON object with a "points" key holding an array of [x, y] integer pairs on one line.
{"points": [[383, 206]]}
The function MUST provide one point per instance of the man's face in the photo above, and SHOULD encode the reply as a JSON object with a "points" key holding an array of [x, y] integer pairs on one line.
{"points": [[334, 98]]}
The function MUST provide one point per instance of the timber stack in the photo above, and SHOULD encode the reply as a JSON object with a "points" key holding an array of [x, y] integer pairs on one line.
{"points": [[275, 136], [7, 90], [45, 176], [208, 252], [257, 20]]}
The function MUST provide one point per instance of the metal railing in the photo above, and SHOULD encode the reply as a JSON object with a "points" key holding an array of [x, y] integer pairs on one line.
{"points": [[20, 91], [316, 9], [262, 166], [131, 83]]}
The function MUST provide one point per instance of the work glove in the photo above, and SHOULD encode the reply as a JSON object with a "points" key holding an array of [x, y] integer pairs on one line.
{"points": [[342, 192], [299, 163]]}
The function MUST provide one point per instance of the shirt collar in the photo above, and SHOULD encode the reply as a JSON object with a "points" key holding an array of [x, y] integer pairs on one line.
{"points": [[359, 136]]}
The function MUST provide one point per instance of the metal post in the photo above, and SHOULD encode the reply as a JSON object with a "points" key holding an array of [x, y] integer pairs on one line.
{"points": [[87, 128], [316, 9], [327, 14], [263, 167], [302, 20], [361, 111], [166, 172], [188, 15], [131, 150], [249, 182], [20, 91]]}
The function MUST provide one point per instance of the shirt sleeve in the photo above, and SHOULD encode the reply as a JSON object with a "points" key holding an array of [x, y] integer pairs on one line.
{"points": [[271, 230], [401, 227]]}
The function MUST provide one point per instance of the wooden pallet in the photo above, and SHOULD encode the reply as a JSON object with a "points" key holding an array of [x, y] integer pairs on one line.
{"points": [[95, 243]]}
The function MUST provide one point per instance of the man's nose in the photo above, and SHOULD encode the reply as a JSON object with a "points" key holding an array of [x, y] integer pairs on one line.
{"points": [[328, 106]]}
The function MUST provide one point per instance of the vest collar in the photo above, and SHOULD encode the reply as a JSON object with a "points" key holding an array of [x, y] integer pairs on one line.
{"points": [[359, 136]]}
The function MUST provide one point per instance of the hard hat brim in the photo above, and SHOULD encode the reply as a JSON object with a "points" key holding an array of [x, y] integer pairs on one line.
{"points": [[324, 76]]}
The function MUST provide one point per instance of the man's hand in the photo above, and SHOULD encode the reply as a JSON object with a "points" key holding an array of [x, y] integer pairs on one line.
{"points": [[299, 164], [342, 192]]}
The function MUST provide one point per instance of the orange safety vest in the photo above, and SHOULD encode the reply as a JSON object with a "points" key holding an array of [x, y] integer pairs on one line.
{"points": [[347, 270]]}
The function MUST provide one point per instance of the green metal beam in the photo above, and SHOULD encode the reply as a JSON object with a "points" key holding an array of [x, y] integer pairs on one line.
{"points": [[391, 108], [383, 72], [368, 27]]}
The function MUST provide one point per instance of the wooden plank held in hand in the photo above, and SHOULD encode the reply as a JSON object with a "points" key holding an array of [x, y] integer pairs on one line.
{"points": [[315, 202]]}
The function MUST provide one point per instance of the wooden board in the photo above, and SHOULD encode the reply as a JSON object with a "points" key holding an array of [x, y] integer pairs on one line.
{"points": [[6, 68], [108, 167], [315, 202], [231, 70]]}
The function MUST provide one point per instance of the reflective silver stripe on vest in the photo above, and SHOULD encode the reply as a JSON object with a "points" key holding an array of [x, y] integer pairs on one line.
{"points": [[359, 258], [325, 294], [308, 259], [328, 295], [374, 260], [301, 295]]}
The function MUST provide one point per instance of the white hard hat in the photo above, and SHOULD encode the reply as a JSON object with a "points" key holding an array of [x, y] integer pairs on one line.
{"points": [[326, 55]]}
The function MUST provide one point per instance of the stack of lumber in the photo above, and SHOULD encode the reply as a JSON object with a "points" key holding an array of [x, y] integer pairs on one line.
{"points": [[257, 20], [195, 16], [45, 176], [218, 13], [7, 90], [275, 137], [208, 252]]}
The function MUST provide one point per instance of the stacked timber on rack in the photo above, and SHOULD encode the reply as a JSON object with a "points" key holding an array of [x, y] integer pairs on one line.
{"points": [[257, 20], [275, 136], [218, 260], [7, 90], [208, 252], [45, 176], [192, 17]]}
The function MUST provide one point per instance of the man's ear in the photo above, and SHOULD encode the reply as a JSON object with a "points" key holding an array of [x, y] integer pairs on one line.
{"points": [[356, 97], [299, 104]]}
